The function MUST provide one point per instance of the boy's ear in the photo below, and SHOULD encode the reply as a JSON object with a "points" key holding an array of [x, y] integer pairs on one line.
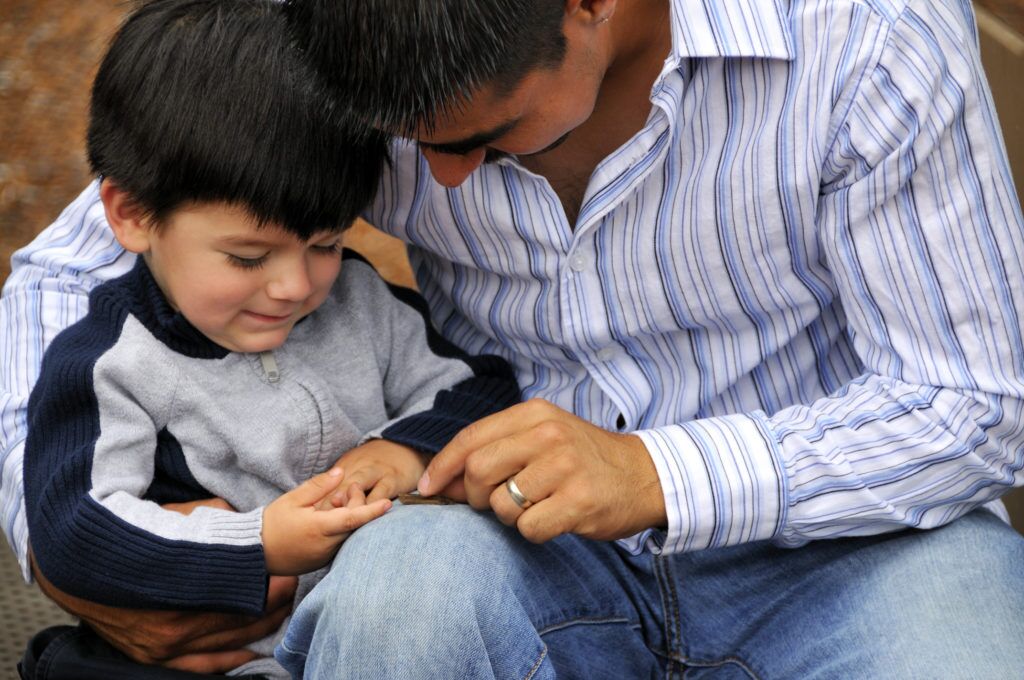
{"points": [[126, 219]]}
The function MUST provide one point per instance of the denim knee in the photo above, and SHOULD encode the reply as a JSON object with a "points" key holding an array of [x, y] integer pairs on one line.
{"points": [[424, 587]]}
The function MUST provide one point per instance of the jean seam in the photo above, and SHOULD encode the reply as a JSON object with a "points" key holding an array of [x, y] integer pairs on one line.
{"points": [[584, 621], [284, 645], [672, 614], [723, 661], [536, 666]]}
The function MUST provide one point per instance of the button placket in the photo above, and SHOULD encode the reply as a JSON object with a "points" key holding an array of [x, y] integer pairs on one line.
{"points": [[578, 262]]}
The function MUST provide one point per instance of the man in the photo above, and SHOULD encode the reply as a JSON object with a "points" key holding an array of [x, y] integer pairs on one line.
{"points": [[768, 288]]}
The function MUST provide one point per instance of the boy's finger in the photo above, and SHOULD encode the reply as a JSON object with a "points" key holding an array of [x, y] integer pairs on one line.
{"points": [[315, 488], [365, 477], [356, 497], [385, 488], [345, 520]]}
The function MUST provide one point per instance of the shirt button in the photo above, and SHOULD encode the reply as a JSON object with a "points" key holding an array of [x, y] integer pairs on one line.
{"points": [[605, 354], [578, 262]]}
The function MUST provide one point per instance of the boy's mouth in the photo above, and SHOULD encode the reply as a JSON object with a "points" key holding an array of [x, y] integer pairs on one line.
{"points": [[268, 318]]}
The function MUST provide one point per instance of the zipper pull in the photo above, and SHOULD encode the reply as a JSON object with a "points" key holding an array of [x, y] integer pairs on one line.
{"points": [[270, 366]]}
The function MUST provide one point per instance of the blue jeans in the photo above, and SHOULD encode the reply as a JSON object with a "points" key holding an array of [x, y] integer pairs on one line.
{"points": [[446, 592]]}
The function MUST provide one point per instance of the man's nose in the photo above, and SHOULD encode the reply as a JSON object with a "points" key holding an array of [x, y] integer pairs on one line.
{"points": [[451, 169]]}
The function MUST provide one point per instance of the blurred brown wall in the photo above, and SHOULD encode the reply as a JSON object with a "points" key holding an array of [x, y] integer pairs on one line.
{"points": [[49, 50]]}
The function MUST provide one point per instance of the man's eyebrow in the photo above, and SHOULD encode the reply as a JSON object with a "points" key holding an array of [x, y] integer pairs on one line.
{"points": [[463, 146]]}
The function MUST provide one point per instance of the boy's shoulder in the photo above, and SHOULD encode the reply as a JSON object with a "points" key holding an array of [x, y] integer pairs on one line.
{"points": [[128, 309], [359, 283], [365, 303]]}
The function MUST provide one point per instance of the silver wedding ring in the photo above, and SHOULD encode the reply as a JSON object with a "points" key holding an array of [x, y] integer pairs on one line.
{"points": [[517, 496]]}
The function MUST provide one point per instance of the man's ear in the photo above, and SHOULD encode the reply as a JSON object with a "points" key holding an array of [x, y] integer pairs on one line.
{"points": [[126, 219], [596, 11]]}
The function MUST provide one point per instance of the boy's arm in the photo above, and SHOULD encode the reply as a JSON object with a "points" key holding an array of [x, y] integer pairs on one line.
{"points": [[432, 388], [46, 292], [93, 423]]}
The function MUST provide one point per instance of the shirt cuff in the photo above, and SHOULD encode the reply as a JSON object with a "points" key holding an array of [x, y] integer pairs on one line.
{"points": [[723, 483]]}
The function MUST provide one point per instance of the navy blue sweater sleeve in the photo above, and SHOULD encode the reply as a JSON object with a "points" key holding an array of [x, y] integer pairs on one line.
{"points": [[81, 545]]}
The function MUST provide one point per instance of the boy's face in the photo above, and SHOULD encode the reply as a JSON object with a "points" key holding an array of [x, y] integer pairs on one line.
{"points": [[242, 287]]}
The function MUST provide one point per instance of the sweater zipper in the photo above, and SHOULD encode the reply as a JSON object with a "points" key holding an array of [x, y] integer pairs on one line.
{"points": [[270, 366]]}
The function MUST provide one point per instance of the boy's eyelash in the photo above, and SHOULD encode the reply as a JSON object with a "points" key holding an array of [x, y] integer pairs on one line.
{"points": [[332, 249], [247, 262]]}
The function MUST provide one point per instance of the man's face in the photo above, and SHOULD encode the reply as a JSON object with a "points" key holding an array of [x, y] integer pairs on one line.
{"points": [[242, 287], [541, 111]]}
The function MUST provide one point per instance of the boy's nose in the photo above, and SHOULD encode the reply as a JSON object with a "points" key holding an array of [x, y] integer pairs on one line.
{"points": [[450, 169], [291, 283]]}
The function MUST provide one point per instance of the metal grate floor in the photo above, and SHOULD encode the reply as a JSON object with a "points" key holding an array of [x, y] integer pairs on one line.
{"points": [[24, 611]]}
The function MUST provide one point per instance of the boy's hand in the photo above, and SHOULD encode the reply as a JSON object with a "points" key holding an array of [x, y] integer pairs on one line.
{"points": [[298, 537], [381, 469]]}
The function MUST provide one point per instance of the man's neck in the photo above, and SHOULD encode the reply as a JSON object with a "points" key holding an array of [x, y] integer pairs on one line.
{"points": [[641, 39]]}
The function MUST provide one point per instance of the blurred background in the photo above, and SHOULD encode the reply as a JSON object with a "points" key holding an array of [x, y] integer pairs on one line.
{"points": [[49, 50]]}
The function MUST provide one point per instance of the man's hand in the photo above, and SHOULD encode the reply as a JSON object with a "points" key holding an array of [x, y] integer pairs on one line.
{"points": [[381, 469], [197, 642], [579, 478], [300, 534]]}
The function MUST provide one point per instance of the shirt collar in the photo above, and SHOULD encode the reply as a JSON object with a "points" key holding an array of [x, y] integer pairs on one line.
{"points": [[731, 28]]}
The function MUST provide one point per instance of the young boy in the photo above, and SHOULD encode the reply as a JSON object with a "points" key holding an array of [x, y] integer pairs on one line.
{"points": [[233, 361]]}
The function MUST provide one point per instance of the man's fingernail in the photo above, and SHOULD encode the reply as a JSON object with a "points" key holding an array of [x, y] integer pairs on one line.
{"points": [[335, 472], [424, 483]]}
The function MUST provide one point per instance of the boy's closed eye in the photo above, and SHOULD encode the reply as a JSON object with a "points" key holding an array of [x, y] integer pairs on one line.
{"points": [[257, 261], [247, 262]]}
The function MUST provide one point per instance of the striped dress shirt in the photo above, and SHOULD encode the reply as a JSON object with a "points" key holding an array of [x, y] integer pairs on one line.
{"points": [[800, 283]]}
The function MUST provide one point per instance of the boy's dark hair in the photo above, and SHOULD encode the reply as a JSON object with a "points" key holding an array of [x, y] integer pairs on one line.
{"points": [[402, 63], [212, 101]]}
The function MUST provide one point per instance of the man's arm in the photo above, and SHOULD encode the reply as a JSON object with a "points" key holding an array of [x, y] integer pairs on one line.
{"points": [[922, 232], [47, 291], [201, 643]]}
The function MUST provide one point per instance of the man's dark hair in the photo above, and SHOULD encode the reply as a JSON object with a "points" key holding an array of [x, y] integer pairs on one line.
{"points": [[212, 101], [402, 63]]}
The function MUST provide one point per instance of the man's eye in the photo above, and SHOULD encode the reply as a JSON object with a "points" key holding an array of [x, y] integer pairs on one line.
{"points": [[246, 262]]}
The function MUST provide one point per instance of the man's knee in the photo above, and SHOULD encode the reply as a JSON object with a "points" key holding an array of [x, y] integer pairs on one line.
{"points": [[421, 587]]}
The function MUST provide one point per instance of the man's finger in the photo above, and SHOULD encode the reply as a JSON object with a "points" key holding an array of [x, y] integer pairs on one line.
{"points": [[281, 593], [317, 487], [450, 462], [237, 631], [546, 520], [211, 662], [489, 467], [456, 490], [536, 482]]}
